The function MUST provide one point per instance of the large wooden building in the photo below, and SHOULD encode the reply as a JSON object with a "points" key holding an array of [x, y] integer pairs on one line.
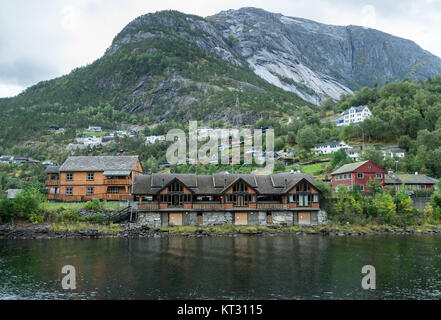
{"points": [[85, 178], [189, 199]]}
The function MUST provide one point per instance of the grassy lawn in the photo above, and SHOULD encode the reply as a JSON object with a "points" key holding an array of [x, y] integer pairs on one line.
{"points": [[85, 226], [97, 134], [76, 206], [314, 168]]}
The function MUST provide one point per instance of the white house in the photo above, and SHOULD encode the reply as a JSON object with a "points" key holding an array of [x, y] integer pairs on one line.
{"points": [[330, 147], [354, 115], [90, 141], [153, 139], [393, 153], [94, 129], [354, 154]]}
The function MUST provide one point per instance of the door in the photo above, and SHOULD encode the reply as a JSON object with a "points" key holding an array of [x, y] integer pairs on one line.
{"points": [[304, 217], [175, 219], [200, 219], [241, 218]]}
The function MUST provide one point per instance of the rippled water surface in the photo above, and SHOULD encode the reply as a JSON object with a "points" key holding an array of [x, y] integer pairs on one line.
{"points": [[269, 267]]}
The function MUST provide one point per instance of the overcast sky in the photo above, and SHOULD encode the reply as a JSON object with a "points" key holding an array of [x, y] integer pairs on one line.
{"points": [[43, 39]]}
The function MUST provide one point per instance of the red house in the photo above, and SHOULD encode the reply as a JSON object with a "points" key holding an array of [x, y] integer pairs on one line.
{"points": [[357, 173]]}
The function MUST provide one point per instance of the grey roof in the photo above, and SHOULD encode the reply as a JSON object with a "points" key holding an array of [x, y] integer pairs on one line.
{"points": [[349, 167], [327, 144], [116, 173], [216, 183], [358, 109], [101, 163], [409, 179], [52, 169]]}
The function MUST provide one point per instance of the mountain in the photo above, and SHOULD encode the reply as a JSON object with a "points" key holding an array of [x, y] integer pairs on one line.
{"points": [[237, 66], [313, 60]]}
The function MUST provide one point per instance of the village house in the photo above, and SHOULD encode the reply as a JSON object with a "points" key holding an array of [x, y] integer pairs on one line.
{"points": [[94, 129], [153, 139], [354, 115], [358, 173], [354, 153], [86, 178], [330, 147], [392, 152], [240, 199], [410, 181]]}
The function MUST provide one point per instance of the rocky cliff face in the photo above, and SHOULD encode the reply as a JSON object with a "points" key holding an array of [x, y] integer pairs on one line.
{"points": [[313, 60], [317, 61]]}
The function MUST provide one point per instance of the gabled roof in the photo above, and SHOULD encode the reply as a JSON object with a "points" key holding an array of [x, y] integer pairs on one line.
{"points": [[217, 183], [294, 183], [329, 143], [349, 167], [357, 109], [409, 179], [101, 163], [172, 181], [236, 181], [52, 169]]}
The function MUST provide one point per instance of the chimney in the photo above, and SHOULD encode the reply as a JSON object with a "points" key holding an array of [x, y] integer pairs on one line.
{"points": [[390, 171], [121, 153], [90, 154], [225, 183], [286, 183], [416, 173], [163, 182]]}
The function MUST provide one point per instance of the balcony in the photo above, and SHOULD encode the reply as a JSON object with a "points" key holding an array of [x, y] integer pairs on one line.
{"points": [[148, 206], [113, 182], [208, 206], [272, 206], [107, 197], [52, 183]]}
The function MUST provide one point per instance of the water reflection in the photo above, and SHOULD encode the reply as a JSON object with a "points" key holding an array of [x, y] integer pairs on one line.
{"points": [[270, 267]]}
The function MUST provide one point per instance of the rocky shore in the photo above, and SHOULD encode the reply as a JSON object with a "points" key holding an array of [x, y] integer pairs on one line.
{"points": [[44, 232]]}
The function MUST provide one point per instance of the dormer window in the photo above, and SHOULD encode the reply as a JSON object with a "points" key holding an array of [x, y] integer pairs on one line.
{"points": [[240, 187], [175, 187]]}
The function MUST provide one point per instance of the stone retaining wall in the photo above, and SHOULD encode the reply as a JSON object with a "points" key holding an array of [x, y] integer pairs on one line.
{"points": [[257, 218]]}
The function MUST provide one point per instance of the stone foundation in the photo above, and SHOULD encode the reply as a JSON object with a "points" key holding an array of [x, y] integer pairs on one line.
{"points": [[256, 218]]}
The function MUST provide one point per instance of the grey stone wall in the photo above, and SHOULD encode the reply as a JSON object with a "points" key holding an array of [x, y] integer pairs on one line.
{"points": [[279, 218], [217, 218], [283, 218], [322, 217], [149, 219]]}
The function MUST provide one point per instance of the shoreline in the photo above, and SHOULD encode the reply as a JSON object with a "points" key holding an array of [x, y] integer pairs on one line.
{"points": [[36, 232]]}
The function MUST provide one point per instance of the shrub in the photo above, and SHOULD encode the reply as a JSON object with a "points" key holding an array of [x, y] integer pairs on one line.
{"points": [[69, 216], [94, 205]]}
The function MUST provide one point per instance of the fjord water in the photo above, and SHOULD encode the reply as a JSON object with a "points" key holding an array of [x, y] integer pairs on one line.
{"points": [[242, 267]]}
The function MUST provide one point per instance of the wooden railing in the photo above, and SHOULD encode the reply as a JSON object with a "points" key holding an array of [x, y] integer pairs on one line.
{"points": [[208, 206], [52, 182], [272, 206], [117, 181], [148, 206], [107, 197]]}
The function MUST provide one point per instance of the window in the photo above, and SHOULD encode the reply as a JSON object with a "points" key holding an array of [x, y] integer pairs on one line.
{"points": [[240, 187], [360, 175], [90, 191], [90, 176], [362, 188], [316, 198], [379, 176], [69, 177], [112, 190], [69, 191], [303, 187], [54, 177], [176, 187]]}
